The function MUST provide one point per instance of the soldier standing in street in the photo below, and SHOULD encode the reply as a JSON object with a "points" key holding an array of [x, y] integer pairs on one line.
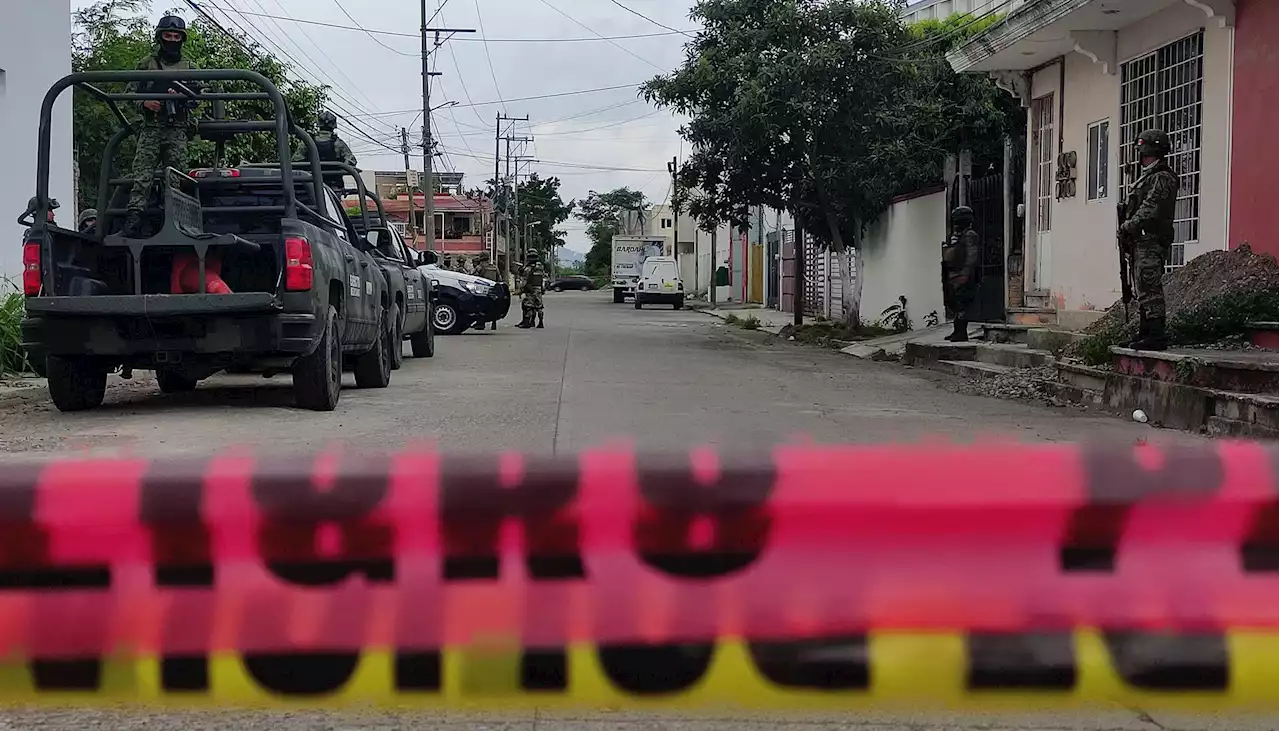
{"points": [[531, 293], [486, 269], [1147, 230], [959, 268], [162, 134]]}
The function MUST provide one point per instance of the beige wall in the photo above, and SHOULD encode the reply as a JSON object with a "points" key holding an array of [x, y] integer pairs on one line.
{"points": [[1084, 271], [901, 255]]}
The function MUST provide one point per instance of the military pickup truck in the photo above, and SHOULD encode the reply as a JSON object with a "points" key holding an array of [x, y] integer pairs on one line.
{"points": [[237, 267]]}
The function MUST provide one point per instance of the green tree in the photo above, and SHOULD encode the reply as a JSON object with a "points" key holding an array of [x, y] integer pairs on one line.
{"points": [[116, 34], [602, 212], [824, 108], [541, 205]]}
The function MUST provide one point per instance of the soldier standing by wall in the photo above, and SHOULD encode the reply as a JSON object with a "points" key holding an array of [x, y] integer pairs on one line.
{"points": [[162, 134], [959, 266], [1147, 230], [531, 293]]}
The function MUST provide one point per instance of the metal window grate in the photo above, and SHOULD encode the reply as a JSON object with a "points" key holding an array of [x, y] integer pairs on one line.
{"points": [[1099, 149], [1042, 130], [1165, 89]]}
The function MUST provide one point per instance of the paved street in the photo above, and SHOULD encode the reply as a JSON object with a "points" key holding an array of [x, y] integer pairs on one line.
{"points": [[662, 378]]}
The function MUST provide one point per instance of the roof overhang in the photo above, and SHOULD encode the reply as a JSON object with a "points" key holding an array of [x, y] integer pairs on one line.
{"points": [[1043, 30]]}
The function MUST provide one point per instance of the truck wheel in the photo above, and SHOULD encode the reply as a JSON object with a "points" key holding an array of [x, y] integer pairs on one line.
{"points": [[75, 383], [448, 320], [679, 305], [373, 369], [317, 378], [618, 296], [397, 339], [424, 343], [172, 381]]}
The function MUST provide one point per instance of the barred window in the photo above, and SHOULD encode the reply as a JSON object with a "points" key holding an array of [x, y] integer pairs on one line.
{"points": [[1164, 90]]}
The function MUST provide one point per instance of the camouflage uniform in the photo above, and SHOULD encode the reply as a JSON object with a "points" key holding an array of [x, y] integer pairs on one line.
{"points": [[487, 269], [531, 295], [1148, 232], [162, 137], [959, 268], [331, 148]]}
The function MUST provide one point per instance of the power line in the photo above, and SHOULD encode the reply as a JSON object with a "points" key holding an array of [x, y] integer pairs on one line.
{"points": [[603, 126], [587, 114], [465, 92], [615, 44], [651, 20], [480, 22], [399, 34], [517, 99], [366, 32]]}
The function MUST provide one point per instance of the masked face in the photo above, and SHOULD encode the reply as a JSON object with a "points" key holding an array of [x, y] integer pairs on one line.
{"points": [[171, 45]]}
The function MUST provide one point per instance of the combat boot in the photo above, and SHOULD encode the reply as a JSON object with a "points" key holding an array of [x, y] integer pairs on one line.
{"points": [[960, 333], [540, 318], [1151, 335], [526, 321], [132, 224]]}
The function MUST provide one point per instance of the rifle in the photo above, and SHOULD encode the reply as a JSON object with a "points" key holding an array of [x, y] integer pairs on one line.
{"points": [[1126, 266], [947, 303]]}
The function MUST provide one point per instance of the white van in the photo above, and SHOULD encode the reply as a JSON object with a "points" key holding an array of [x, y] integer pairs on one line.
{"points": [[660, 283]]}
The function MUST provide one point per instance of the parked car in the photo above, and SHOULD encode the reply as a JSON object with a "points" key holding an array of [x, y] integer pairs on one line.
{"points": [[660, 283], [235, 268], [463, 300], [573, 281], [408, 289]]}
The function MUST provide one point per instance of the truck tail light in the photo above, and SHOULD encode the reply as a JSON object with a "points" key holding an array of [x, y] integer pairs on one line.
{"points": [[299, 274], [31, 268]]}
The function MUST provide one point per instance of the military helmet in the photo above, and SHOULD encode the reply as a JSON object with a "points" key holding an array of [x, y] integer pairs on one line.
{"points": [[962, 213], [1153, 143], [171, 23], [87, 215], [532, 257], [328, 120]]}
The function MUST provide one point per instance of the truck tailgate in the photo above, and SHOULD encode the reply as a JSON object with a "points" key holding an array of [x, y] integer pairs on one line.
{"points": [[155, 305]]}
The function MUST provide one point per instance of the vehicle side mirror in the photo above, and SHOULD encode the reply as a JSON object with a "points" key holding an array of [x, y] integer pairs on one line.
{"points": [[435, 283], [428, 257]]}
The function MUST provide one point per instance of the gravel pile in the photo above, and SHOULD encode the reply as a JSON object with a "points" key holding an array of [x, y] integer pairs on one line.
{"points": [[1202, 279], [1021, 384]]}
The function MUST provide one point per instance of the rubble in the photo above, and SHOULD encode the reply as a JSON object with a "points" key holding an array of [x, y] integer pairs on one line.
{"points": [[1020, 384]]}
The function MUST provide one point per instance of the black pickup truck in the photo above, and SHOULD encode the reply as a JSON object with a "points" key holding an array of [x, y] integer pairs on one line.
{"points": [[247, 267]]}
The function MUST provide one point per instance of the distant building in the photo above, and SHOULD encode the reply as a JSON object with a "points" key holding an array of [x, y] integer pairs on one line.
{"points": [[941, 9], [35, 51]]}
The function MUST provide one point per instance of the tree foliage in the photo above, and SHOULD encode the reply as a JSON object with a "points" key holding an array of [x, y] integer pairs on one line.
{"points": [[603, 214], [116, 34], [541, 204], [824, 108]]}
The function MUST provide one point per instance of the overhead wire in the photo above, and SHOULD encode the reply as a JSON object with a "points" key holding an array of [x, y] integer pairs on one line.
{"points": [[593, 31], [488, 56], [366, 32], [554, 95], [651, 20]]}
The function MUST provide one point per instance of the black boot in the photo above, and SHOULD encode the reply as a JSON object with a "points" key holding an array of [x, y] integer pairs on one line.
{"points": [[526, 321], [493, 325], [132, 224], [1151, 335], [960, 333], [540, 316]]}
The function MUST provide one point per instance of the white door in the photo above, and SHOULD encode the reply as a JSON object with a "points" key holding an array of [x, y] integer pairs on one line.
{"points": [[1042, 187]]}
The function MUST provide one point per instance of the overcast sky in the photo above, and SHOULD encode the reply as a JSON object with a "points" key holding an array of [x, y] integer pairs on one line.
{"points": [[376, 81]]}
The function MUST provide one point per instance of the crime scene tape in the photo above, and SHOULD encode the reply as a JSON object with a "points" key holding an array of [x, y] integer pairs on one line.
{"points": [[805, 577]]}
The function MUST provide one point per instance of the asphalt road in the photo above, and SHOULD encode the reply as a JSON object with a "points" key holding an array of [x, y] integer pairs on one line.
{"points": [[659, 378]]}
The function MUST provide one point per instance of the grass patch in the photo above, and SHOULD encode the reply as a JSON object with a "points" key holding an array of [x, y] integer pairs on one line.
{"points": [[13, 359], [732, 319], [751, 322]]}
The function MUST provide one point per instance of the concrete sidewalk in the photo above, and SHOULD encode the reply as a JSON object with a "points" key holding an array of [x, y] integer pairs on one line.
{"points": [[771, 321]]}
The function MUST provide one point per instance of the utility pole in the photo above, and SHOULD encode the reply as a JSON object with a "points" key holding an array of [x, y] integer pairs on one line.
{"points": [[428, 150], [797, 291], [675, 212], [498, 119], [404, 148], [521, 234], [715, 269]]}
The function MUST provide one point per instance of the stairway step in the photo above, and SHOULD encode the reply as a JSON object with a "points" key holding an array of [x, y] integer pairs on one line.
{"points": [[970, 368]]}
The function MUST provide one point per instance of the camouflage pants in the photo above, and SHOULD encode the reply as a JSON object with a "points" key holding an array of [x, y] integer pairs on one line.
{"points": [[531, 302], [159, 146], [1148, 269]]}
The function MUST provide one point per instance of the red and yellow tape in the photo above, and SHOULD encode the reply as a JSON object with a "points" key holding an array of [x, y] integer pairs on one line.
{"points": [[815, 577]]}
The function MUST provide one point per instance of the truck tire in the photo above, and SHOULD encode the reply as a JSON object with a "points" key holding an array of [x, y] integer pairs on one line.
{"points": [[172, 381], [679, 304], [448, 320], [397, 339], [373, 368], [424, 343], [75, 383], [618, 296], [317, 378]]}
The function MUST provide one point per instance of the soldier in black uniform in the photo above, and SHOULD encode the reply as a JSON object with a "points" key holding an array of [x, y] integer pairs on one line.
{"points": [[1147, 232]]}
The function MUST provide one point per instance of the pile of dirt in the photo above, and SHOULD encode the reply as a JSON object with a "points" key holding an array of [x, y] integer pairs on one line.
{"points": [[1205, 280]]}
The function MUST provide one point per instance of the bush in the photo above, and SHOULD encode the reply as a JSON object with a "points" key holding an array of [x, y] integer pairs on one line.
{"points": [[1222, 317], [751, 323], [13, 359]]}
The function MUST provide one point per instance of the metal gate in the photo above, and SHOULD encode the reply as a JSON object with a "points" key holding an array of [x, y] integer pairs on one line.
{"points": [[815, 278], [788, 258], [986, 198], [773, 261]]}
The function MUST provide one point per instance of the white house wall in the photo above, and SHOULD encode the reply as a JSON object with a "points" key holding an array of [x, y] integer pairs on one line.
{"points": [[1084, 267], [35, 51], [902, 254]]}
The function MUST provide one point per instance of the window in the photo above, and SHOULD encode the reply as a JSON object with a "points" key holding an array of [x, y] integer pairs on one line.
{"points": [[1042, 140], [666, 223], [1099, 151], [1164, 89]]}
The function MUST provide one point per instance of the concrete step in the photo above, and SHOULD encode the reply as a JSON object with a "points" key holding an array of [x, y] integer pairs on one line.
{"points": [[1224, 370], [1001, 354], [1193, 408], [1264, 334], [970, 368], [1032, 316], [1052, 339], [1038, 298], [926, 354], [999, 332], [1009, 354], [1082, 376]]}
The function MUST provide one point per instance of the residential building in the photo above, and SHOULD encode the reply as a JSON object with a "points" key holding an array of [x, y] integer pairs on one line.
{"points": [[35, 51], [942, 9], [1092, 74], [661, 220]]}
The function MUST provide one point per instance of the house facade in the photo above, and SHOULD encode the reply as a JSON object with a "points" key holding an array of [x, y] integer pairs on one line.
{"points": [[1092, 74], [31, 31]]}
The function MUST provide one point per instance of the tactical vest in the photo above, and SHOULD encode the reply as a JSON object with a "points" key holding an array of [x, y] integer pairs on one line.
{"points": [[533, 280], [175, 111], [326, 145]]}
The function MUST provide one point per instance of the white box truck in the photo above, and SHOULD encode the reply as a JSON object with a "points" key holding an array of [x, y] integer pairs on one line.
{"points": [[629, 253]]}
